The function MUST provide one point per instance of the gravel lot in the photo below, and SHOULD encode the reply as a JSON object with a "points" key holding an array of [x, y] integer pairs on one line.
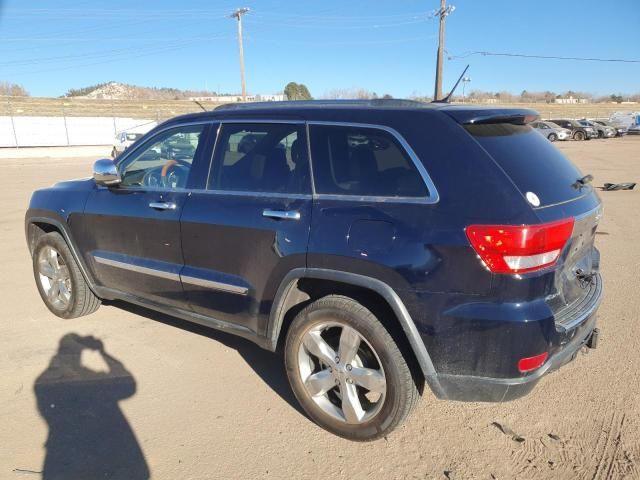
{"points": [[208, 405]]}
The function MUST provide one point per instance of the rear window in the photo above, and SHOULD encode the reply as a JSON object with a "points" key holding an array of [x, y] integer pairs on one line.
{"points": [[531, 161]]}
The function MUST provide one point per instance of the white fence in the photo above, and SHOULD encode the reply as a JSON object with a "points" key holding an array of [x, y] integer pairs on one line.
{"points": [[63, 131]]}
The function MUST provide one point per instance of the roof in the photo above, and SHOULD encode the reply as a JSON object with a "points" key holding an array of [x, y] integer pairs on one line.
{"points": [[352, 104], [355, 110]]}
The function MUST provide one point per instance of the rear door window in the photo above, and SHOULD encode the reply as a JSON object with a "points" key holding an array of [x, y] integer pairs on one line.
{"points": [[261, 157], [532, 162], [362, 161]]}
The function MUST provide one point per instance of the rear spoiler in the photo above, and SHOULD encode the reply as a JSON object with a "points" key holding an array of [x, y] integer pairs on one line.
{"points": [[481, 116]]}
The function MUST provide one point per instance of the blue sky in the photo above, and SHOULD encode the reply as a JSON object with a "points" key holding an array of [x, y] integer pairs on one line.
{"points": [[387, 47]]}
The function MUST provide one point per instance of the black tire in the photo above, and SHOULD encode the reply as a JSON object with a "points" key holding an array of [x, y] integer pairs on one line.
{"points": [[401, 393], [82, 300], [552, 137], [600, 134], [579, 136]]}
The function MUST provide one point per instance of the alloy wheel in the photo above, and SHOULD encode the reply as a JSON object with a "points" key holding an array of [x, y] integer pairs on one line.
{"points": [[55, 278], [342, 372]]}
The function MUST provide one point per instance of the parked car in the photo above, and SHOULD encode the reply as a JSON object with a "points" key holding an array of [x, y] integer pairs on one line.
{"points": [[124, 140], [603, 131], [381, 245], [551, 131], [578, 131], [620, 130], [178, 148]]}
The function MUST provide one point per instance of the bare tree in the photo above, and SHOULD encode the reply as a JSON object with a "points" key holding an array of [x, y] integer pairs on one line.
{"points": [[12, 90]]}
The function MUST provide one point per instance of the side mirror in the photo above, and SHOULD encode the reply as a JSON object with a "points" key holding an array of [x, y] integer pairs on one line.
{"points": [[105, 172]]}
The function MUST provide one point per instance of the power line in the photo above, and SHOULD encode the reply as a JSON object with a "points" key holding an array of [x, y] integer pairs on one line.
{"points": [[549, 57]]}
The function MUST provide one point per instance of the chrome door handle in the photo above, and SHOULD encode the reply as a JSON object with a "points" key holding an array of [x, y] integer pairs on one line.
{"points": [[163, 205], [281, 214]]}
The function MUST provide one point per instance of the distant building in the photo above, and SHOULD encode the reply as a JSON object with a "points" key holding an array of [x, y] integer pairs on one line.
{"points": [[570, 100], [482, 100], [238, 98]]}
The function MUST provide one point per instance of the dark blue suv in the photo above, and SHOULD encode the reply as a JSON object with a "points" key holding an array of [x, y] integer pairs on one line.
{"points": [[380, 245]]}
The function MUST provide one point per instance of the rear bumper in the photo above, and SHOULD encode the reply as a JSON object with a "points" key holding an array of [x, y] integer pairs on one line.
{"points": [[483, 389]]}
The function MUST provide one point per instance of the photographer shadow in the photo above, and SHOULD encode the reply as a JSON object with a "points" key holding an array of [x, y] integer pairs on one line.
{"points": [[89, 436]]}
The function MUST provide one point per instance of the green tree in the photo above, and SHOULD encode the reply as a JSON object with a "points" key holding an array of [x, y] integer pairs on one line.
{"points": [[303, 92], [297, 91]]}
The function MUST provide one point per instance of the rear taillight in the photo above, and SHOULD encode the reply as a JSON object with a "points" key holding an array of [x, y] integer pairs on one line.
{"points": [[520, 248]]}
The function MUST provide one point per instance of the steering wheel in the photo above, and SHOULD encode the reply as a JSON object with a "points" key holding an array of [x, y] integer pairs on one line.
{"points": [[166, 173]]}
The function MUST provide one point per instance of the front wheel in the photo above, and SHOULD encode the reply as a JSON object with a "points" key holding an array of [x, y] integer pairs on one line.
{"points": [[578, 136], [552, 137], [60, 282], [346, 370]]}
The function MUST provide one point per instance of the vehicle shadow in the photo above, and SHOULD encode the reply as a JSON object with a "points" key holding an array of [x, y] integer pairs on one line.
{"points": [[268, 365], [89, 436]]}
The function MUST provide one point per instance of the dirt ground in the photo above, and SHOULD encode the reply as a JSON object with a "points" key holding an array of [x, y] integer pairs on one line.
{"points": [[183, 402]]}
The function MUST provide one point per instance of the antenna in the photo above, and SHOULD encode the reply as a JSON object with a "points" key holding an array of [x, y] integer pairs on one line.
{"points": [[447, 99]]}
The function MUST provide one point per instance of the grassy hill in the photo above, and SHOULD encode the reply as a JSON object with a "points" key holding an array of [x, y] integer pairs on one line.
{"points": [[163, 109]]}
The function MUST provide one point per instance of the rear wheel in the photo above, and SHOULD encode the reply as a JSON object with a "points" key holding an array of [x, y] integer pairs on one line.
{"points": [[600, 134], [578, 136], [346, 370], [60, 283], [552, 137]]}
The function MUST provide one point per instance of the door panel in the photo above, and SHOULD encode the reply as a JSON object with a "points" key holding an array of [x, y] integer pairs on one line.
{"points": [[235, 257], [237, 245], [130, 234], [132, 247]]}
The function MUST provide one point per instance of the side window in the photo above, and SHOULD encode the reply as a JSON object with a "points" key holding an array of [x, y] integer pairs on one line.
{"points": [[261, 157], [164, 161], [362, 162]]}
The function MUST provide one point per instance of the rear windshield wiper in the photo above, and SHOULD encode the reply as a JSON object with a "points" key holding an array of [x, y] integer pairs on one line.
{"points": [[581, 182]]}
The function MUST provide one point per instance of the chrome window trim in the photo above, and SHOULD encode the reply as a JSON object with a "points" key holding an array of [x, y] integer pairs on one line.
{"points": [[252, 193], [262, 120], [245, 193], [313, 178], [225, 287], [431, 198], [137, 268]]}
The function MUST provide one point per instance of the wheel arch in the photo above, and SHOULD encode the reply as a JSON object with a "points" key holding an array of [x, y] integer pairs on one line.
{"points": [[35, 226], [291, 298]]}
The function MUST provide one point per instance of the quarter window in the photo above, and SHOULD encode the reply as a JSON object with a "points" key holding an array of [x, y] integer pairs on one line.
{"points": [[261, 157], [362, 162]]}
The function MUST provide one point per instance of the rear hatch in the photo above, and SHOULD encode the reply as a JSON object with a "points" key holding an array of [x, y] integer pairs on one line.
{"points": [[555, 190]]}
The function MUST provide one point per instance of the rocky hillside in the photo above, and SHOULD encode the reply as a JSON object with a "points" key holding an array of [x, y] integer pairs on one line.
{"points": [[124, 91]]}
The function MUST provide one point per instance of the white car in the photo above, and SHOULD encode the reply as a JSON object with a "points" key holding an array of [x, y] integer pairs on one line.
{"points": [[551, 131], [123, 141]]}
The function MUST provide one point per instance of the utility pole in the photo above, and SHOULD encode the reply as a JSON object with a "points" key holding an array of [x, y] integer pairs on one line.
{"points": [[465, 80], [442, 12], [238, 15]]}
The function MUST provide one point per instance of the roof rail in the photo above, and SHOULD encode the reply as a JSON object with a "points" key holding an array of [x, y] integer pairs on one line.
{"points": [[372, 103]]}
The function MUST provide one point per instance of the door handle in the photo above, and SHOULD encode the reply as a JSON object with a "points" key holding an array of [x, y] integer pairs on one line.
{"points": [[281, 214], [163, 205]]}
